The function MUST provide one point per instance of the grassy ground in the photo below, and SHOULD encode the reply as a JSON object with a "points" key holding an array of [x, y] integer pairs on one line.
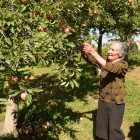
{"points": [[131, 123], [84, 127]]}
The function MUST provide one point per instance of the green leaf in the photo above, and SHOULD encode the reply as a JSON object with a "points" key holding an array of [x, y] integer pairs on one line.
{"points": [[25, 72], [40, 35], [14, 94], [3, 100], [71, 44], [63, 83], [5, 103], [76, 83], [29, 98], [35, 90], [5, 83], [2, 68], [72, 84], [1, 55], [29, 55], [12, 29], [67, 84], [27, 27], [8, 41]]}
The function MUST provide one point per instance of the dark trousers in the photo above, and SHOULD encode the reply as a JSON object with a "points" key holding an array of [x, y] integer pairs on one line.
{"points": [[109, 120]]}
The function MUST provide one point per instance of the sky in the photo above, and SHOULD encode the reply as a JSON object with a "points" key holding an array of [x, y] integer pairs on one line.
{"points": [[105, 39]]}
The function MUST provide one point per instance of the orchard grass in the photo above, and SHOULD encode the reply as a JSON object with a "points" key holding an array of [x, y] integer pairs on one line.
{"points": [[77, 108]]}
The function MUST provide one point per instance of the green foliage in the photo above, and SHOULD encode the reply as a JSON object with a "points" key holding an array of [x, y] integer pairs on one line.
{"points": [[30, 34], [34, 32], [134, 60]]}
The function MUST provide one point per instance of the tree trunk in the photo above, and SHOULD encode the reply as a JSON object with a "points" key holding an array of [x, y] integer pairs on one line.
{"points": [[98, 71], [100, 42], [11, 117]]}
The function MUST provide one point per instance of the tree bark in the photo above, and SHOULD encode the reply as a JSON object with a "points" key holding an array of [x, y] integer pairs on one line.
{"points": [[11, 117], [101, 32], [100, 41]]}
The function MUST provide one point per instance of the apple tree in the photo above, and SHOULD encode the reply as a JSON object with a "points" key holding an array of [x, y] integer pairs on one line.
{"points": [[117, 17], [29, 34]]}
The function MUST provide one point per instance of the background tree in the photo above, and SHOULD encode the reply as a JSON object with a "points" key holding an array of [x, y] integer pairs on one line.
{"points": [[102, 16]]}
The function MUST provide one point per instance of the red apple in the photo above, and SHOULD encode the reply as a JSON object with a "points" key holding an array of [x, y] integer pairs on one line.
{"points": [[23, 95], [41, 29], [13, 79], [32, 14], [49, 17], [66, 30], [96, 12], [62, 25], [24, 1]]}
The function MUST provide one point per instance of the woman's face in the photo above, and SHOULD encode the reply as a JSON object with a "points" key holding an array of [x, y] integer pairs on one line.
{"points": [[113, 53]]}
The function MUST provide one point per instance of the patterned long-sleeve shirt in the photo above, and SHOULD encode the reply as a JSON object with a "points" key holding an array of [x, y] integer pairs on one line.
{"points": [[112, 80]]}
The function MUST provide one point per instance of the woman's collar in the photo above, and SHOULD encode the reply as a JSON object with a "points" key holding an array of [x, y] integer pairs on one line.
{"points": [[117, 60]]}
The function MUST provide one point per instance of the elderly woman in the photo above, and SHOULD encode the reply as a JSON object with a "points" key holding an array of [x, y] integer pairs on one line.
{"points": [[112, 91]]}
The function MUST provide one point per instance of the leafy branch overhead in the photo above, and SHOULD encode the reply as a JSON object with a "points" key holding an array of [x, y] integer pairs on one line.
{"points": [[48, 31]]}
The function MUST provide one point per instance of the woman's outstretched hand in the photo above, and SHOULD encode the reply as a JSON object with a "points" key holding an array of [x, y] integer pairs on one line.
{"points": [[87, 48]]}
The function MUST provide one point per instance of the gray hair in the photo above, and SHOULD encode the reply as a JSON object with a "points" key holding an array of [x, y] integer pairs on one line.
{"points": [[122, 48]]}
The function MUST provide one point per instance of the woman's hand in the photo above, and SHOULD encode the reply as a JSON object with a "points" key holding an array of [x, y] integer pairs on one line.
{"points": [[87, 48]]}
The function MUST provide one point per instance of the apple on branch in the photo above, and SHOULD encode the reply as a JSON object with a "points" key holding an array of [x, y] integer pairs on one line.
{"points": [[62, 25], [49, 17], [32, 14], [23, 95], [96, 12], [66, 30], [13, 79], [24, 1], [41, 29]]}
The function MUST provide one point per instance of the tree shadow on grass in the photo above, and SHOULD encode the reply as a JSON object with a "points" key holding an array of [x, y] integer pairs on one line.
{"points": [[52, 102], [93, 119], [134, 133], [133, 63], [9, 137]]}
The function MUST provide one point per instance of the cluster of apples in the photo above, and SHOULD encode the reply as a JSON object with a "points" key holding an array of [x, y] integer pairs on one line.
{"points": [[12, 81], [32, 14], [61, 25], [64, 27]]}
